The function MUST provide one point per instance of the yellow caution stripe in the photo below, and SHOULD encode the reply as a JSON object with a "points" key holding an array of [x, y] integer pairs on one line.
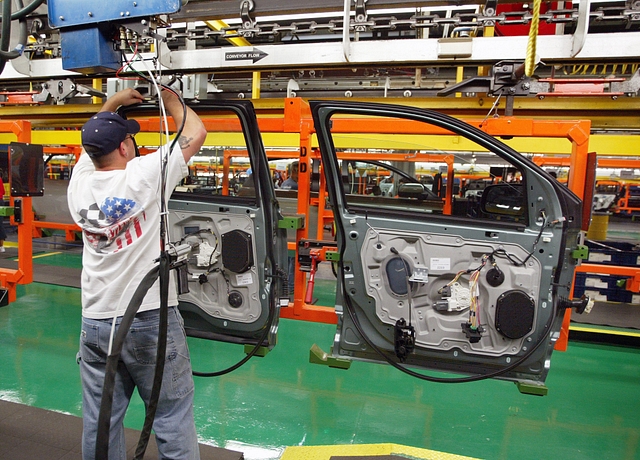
{"points": [[359, 450], [596, 330]]}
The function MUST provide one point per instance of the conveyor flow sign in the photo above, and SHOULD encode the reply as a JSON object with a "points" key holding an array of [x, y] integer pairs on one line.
{"points": [[255, 55]]}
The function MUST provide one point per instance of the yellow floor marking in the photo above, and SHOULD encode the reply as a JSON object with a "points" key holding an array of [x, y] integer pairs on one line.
{"points": [[326, 452], [604, 331], [39, 256], [46, 255]]}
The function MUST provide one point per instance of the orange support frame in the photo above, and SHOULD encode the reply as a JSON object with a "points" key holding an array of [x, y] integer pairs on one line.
{"points": [[9, 278], [576, 132], [633, 282], [296, 118], [70, 230]]}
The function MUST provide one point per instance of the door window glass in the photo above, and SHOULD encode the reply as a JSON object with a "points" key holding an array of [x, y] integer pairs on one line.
{"points": [[412, 169], [222, 167]]}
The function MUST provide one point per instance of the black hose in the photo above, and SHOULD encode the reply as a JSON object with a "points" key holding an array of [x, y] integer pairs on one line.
{"points": [[104, 419], [250, 355], [263, 189], [6, 25], [6, 35], [5, 30], [160, 358], [21, 13]]}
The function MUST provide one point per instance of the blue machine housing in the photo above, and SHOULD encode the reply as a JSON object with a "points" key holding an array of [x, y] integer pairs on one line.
{"points": [[87, 27], [89, 50], [71, 13]]}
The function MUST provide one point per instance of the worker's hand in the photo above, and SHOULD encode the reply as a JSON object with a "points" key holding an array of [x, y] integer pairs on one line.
{"points": [[125, 97]]}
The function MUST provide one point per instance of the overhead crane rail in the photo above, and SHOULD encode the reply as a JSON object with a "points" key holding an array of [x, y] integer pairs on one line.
{"points": [[385, 22], [357, 34]]}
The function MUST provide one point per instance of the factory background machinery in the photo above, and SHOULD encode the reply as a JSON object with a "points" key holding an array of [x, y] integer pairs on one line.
{"points": [[556, 81]]}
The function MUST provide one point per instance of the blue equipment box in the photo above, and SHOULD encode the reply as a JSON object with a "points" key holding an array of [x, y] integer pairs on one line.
{"points": [[73, 13], [87, 29], [89, 51]]}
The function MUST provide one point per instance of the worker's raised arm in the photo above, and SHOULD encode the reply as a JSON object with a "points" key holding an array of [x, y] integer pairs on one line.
{"points": [[194, 133]]}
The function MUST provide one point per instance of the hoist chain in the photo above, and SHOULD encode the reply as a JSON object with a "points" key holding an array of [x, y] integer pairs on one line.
{"points": [[370, 22]]}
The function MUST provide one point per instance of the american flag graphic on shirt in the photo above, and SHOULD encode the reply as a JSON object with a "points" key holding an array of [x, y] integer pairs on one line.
{"points": [[113, 225]]}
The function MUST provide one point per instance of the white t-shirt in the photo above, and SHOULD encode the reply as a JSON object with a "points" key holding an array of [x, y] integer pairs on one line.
{"points": [[119, 213]]}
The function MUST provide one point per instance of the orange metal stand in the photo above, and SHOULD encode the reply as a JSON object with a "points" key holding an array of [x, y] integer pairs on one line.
{"points": [[633, 282], [70, 230], [296, 118], [9, 279]]}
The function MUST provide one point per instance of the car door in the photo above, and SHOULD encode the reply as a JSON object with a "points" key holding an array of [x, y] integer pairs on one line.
{"points": [[226, 211], [469, 283]]}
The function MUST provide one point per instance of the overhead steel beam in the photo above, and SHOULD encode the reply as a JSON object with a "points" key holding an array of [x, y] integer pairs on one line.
{"points": [[23, 68], [601, 48], [226, 9], [617, 116], [603, 144]]}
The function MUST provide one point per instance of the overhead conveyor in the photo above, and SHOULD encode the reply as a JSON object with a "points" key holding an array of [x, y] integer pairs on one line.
{"points": [[278, 36]]}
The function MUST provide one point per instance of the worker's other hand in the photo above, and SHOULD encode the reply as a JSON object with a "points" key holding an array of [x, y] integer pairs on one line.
{"points": [[125, 97]]}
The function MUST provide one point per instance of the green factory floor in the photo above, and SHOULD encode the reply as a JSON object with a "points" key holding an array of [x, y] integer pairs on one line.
{"points": [[592, 410]]}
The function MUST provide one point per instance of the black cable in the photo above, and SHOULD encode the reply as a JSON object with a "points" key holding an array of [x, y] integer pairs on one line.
{"points": [[168, 88], [164, 300], [173, 143], [535, 243], [22, 39], [249, 355], [184, 115], [5, 31], [106, 403], [104, 418], [472, 378], [270, 255], [163, 323], [261, 189], [160, 358], [271, 308], [21, 13], [165, 164], [514, 259]]}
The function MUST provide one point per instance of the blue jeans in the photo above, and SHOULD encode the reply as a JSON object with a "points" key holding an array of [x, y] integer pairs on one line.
{"points": [[174, 424]]}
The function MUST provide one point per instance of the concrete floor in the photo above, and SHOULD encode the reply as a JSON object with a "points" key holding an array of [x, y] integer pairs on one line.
{"points": [[281, 400], [591, 411]]}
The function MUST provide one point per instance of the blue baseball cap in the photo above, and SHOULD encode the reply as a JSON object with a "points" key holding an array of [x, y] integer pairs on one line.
{"points": [[104, 132]]}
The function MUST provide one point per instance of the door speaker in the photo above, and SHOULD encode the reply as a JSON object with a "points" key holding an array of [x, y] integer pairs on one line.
{"points": [[237, 251], [514, 314]]}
